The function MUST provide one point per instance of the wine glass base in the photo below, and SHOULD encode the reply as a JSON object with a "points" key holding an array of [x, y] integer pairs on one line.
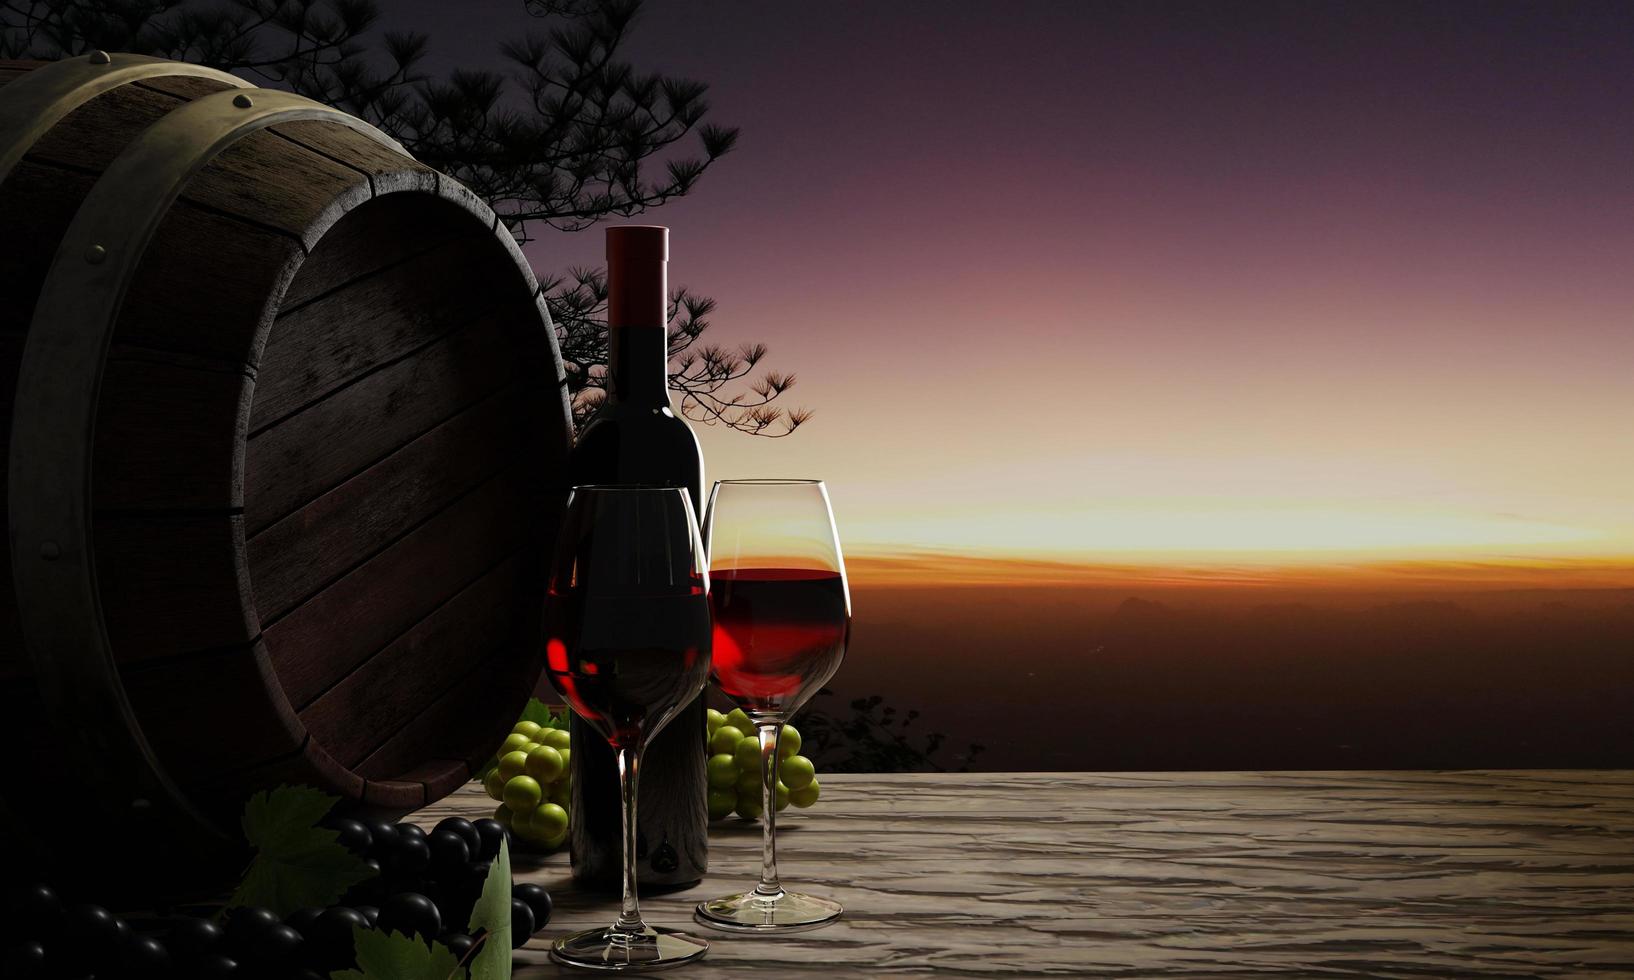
{"points": [[754, 912], [623, 952]]}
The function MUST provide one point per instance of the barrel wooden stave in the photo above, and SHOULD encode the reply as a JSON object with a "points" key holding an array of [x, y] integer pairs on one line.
{"points": [[288, 230]]}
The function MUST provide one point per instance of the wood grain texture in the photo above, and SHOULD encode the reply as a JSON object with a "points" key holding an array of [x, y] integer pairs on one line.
{"points": [[382, 696], [389, 171], [375, 237], [302, 554], [90, 137], [333, 341], [384, 597], [1297, 874]]}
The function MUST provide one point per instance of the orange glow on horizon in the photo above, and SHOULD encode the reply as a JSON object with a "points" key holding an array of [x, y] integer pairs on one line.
{"points": [[923, 569]]}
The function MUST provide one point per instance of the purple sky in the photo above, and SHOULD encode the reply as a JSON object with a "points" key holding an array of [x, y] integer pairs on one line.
{"points": [[1103, 280]]}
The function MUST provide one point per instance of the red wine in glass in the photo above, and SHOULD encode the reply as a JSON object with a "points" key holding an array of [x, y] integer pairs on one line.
{"points": [[780, 634], [627, 635], [782, 619], [626, 664]]}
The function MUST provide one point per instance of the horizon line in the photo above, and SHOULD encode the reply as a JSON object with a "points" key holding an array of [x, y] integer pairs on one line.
{"points": [[925, 567]]}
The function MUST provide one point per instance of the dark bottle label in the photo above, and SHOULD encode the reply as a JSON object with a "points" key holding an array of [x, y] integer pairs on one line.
{"points": [[672, 808]]}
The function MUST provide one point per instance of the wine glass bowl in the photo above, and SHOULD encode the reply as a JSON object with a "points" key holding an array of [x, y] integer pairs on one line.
{"points": [[627, 643], [782, 618]]}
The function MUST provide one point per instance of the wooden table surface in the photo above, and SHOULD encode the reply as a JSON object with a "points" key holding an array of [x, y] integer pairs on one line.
{"points": [[1244, 874]]}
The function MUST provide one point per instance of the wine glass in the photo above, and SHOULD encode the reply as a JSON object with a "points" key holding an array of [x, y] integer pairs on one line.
{"points": [[627, 645], [782, 619]]}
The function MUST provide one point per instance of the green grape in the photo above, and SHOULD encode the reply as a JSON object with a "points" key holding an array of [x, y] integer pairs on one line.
{"points": [[548, 820], [555, 841], [522, 826], [748, 782], [725, 739], [567, 761], [737, 719], [512, 764], [714, 719], [561, 794], [723, 771], [721, 802], [747, 754], [749, 806], [523, 793], [494, 784], [544, 764], [789, 742], [556, 738], [797, 771], [526, 729], [514, 743], [804, 796], [781, 796]]}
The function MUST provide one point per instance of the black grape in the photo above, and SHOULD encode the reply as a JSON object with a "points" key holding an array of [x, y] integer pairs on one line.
{"points": [[492, 833], [459, 942], [32, 912], [371, 913], [276, 949], [411, 856], [521, 923], [382, 837], [25, 961], [301, 919], [449, 854], [351, 834], [407, 830], [367, 889], [538, 900], [466, 829], [329, 946], [145, 958], [192, 939], [216, 967], [411, 913], [94, 934], [456, 898], [247, 922]]}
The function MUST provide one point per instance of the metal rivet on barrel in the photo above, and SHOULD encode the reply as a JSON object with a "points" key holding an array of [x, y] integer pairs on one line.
{"points": [[50, 550], [95, 254], [99, 58], [242, 101]]}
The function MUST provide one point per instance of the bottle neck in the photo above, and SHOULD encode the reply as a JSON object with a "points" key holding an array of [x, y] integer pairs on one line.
{"points": [[638, 359]]}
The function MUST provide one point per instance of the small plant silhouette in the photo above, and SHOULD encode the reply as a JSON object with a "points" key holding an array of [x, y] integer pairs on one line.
{"points": [[872, 736]]}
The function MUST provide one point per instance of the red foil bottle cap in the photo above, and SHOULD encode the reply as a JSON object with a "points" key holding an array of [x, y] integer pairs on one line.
{"points": [[637, 279]]}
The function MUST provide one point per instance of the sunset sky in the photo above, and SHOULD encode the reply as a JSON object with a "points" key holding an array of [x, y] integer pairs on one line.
{"points": [[1150, 284]]}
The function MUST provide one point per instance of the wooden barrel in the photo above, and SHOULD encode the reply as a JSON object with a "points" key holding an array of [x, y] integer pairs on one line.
{"points": [[287, 424]]}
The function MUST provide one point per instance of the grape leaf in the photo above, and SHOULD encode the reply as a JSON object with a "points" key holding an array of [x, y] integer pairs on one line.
{"points": [[394, 956], [493, 914], [297, 863]]}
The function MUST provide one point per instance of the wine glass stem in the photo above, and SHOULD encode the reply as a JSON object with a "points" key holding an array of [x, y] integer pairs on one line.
{"points": [[770, 732], [629, 764]]}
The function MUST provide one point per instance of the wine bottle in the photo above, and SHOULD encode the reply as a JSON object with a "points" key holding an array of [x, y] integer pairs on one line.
{"points": [[635, 437]]}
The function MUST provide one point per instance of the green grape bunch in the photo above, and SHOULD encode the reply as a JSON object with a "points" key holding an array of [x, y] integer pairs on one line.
{"points": [[734, 768], [532, 780]]}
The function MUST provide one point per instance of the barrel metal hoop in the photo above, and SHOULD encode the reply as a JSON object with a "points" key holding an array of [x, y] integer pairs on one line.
{"points": [[32, 104], [52, 433]]}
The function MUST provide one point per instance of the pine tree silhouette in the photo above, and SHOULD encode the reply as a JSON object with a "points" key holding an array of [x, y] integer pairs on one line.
{"points": [[573, 135]]}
